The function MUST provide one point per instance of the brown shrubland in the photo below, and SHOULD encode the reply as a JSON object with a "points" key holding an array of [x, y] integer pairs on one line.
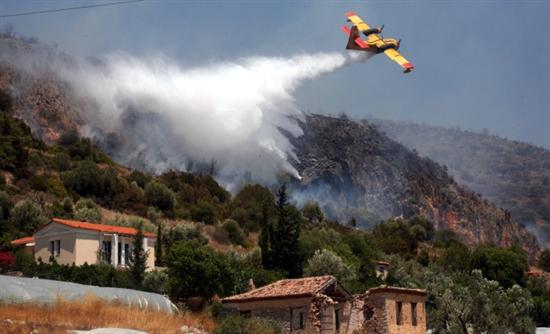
{"points": [[93, 313]]}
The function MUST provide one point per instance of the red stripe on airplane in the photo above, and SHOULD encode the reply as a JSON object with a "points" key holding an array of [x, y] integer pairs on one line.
{"points": [[360, 42], [348, 14], [346, 30], [408, 65]]}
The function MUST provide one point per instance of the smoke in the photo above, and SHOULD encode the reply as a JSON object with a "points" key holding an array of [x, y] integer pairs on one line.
{"points": [[154, 114], [227, 115]]}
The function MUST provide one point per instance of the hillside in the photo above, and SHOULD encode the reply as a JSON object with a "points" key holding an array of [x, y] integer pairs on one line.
{"points": [[353, 170], [511, 174]]}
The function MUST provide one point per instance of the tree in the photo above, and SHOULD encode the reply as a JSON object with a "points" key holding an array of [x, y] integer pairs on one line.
{"points": [[196, 270], [138, 258], [326, 262], [507, 266], [266, 238], [312, 212], [26, 216], [284, 241], [395, 237], [473, 304], [544, 260], [155, 217], [5, 208], [160, 196], [85, 179]]}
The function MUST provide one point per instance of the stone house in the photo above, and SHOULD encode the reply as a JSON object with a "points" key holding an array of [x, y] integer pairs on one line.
{"points": [[71, 241], [321, 305]]}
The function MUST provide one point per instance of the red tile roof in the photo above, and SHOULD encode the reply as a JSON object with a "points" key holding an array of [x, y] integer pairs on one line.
{"points": [[298, 287], [22, 241], [101, 227]]}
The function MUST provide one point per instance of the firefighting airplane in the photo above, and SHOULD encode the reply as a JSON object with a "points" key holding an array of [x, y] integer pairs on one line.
{"points": [[373, 43]]}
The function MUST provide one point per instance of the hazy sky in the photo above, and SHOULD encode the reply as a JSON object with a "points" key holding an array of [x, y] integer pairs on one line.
{"points": [[479, 64]]}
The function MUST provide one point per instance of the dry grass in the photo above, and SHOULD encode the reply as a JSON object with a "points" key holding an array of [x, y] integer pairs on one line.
{"points": [[92, 313]]}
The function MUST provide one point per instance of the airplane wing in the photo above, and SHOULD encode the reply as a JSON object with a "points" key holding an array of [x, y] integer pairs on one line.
{"points": [[394, 55], [356, 20], [362, 26]]}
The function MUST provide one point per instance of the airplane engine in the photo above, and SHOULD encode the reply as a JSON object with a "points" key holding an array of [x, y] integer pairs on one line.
{"points": [[372, 31]]}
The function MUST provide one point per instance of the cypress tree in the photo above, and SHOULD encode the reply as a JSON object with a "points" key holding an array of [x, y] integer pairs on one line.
{"points": [[138, 258], [285, 237]]}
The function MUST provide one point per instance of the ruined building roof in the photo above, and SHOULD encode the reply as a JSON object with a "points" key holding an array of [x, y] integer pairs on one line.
{"points": [[298, 287]]}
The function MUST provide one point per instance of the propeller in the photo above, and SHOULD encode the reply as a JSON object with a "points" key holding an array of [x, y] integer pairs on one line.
{"points": [[381, 28]]}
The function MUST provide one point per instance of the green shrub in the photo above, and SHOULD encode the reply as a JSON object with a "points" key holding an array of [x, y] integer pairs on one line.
{"points": [[196, 270], [241, 325], [39, 182], [204, 212], [62, 161], [235, 233], [156, 281], [184, 232], [312, 212], [326, 262], [160, 196], [26, 216], [86, 209]]}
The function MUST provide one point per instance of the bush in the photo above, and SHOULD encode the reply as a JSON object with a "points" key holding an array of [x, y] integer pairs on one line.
{"points": [[196, 270], [85, 179], [141, 179], [7, 261], [39, 182], [250, 205], [241, 325], [235, 233], [203, 212], [27, 216], [69, 137], [160, 196], [156, 281], [87, 210], [62, 161], [326, 262], [507, 266], [184, 232], [312, 212]]}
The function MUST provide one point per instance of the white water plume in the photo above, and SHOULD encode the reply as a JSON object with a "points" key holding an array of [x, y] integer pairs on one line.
{"points": [[165, 116]]}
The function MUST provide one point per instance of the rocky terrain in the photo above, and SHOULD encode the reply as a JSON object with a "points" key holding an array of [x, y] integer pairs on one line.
{"points": [[511, 174], [353, 170]]}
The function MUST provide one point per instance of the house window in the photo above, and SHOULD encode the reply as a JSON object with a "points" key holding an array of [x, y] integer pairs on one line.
{"points": [[337, 319], [126, 254], [55, 248], [106, 252], [119, 254], [413, 314], [302, 322], [399, 313]]}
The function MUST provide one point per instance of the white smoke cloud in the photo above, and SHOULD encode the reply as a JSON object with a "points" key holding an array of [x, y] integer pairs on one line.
{"points": [[169, 116]]}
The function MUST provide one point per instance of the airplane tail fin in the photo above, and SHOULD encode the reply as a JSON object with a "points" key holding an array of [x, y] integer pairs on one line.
{"points": [[353, 38]]}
